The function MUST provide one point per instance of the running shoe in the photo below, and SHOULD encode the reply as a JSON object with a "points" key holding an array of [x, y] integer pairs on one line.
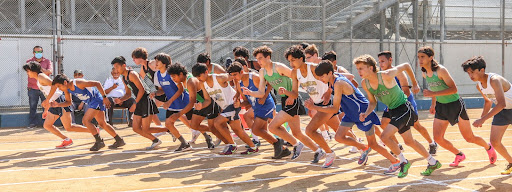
{"points": [[393, 168], [250, 151], [458, 159], [364, 156], [431, 168], [195, 135], [229, 150], [154, 145], [65, 144], [97, 146], [117, 144], [183, 147], [492, 155], [404, 169], [318, 156], [507, 170], [297, 150], [432, 148], [329, 160]]}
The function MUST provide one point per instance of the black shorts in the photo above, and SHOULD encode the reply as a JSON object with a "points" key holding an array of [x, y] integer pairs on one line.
{"points": [[211, 111], [145, 107], [188, 114], [297, 108], [329, 104], [403, 117], [504, 117], [161, 98], [58, 110], [451, 111]]}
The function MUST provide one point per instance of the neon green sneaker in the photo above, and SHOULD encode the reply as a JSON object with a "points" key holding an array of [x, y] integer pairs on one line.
{"points": [[431, 168], [404, 169]]}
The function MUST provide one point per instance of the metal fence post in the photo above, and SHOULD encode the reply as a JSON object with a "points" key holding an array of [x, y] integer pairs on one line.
{"points": [[397, 32], [442, 23], [22, 15], [502, 34], [164, 16], [208, 26], [120, 17]]}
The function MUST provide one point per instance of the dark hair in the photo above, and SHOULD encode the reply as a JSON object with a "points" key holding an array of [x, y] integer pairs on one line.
{"points": [[176, 69], [295, 51], [266, 51], [60, 79], [119, 59], [366, 60], [241, 52], [203, 58], [304, 45], [198, 69], [429, 52], [331, 56], [78, 71], [324, 67], [241, 61], [140, 52], [35, 47], [474, 63], [311, 49], [387, 54], [164, 58], [33, 66], [235, 67]]}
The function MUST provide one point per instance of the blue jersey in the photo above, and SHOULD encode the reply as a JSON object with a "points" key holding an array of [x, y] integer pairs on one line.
{"points": [[263, 111], [89, 95], [355, 104], [170, 88]]}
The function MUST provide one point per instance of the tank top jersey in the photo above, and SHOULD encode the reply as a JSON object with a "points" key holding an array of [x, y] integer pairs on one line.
{"points": [[223, 96], [489, 92], [134, 88], [269, 102], [436, 84], [87, 95], [315, 88], [199, 94], [170, 88], [393, 97], [46, 90], [352, 104], [277, 80]]}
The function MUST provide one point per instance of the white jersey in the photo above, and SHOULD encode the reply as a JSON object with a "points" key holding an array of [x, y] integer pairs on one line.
{"points": [[489, 92], [315, 88], [223, 96], [46, 90]]}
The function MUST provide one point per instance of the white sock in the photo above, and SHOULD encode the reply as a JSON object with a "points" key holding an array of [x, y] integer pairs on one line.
{"points": [[296, 144], [402, 158], [325, 134], [433, 143], [256, 138], [431, 160], [318, 150], [67, 139]]}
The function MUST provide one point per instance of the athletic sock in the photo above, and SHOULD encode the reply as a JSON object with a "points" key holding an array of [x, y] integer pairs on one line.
{"points": [[97, 137], [155, 140], [431, 160], [296, 144], [325, 134], [433, 143], [67, 139], [205, 135], [318, 150], [256, 138], [402, 158], [182, 140], [118, 138]]}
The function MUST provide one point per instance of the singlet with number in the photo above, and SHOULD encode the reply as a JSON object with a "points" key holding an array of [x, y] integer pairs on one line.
{"points": [[314, 87]]}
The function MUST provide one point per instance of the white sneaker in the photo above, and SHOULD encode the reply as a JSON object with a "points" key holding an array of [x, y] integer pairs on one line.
{"points": [[329, 160], [195, 135], [353, 150], [154, 145]]}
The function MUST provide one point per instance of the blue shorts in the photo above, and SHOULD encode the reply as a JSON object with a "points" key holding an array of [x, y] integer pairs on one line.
{"points": [[365, 126], [95, 103], [264, 113]]}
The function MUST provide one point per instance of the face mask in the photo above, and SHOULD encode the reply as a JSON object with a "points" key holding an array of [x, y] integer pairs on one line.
{"points": [[39, 55]]}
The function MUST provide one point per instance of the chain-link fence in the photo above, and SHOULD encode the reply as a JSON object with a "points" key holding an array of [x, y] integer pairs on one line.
{"points": [[93, 32]]}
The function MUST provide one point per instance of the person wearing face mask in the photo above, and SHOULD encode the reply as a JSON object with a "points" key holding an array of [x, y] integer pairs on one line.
{"points": [[34, 94]]}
